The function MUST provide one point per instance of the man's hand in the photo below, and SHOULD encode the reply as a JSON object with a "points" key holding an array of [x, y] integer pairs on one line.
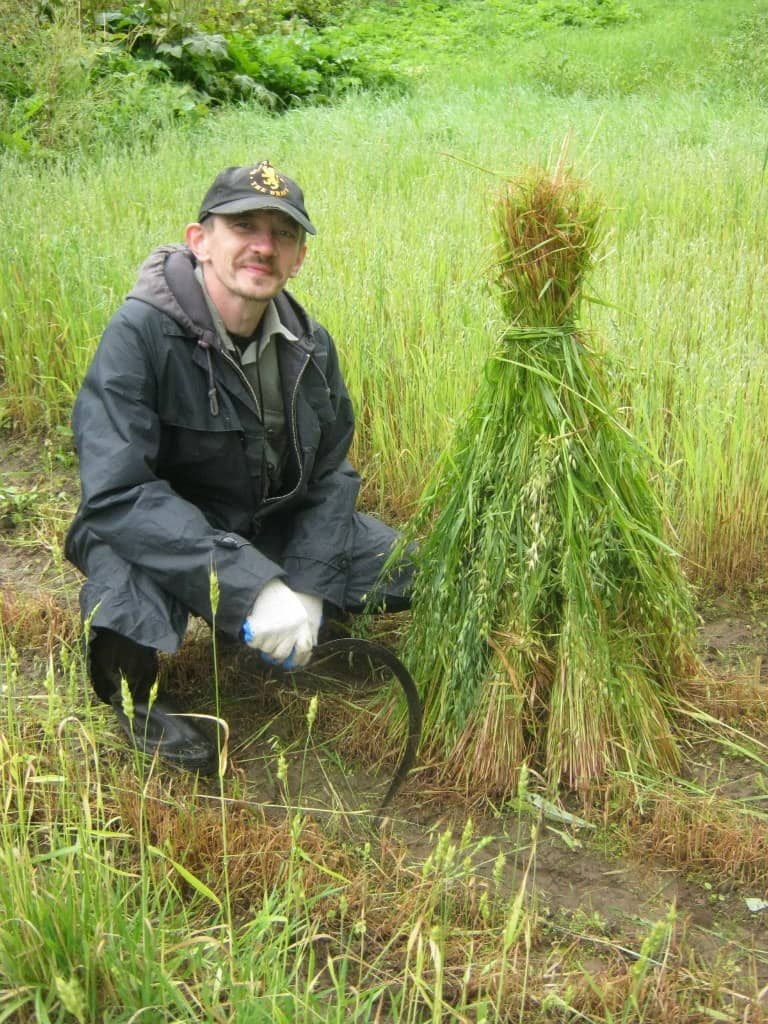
{"points": [[313, 606], [283, 625]]}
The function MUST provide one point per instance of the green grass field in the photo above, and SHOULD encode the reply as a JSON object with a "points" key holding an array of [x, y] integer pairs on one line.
{"points": [[131, 896], [400, 190]]}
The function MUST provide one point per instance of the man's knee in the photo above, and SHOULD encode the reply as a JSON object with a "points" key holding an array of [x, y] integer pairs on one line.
{"points": [[121, 598], [377, 580]]}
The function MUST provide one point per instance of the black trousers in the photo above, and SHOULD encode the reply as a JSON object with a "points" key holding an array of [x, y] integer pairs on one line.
{"points": [[131, 617]]}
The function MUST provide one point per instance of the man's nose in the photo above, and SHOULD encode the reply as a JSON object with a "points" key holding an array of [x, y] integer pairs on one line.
{"points": [[262, 239]]}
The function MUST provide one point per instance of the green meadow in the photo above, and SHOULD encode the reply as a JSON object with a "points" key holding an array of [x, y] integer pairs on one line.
{"points": [[129, 895]]}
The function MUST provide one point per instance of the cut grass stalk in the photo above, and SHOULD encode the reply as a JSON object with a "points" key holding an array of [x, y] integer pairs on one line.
{"points": [[552, 623]]}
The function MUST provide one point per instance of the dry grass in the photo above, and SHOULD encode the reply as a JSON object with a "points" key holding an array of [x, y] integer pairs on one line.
{"points": [[547, 231], [38, 620], [708, 834], [733, 699], [662, 983]]}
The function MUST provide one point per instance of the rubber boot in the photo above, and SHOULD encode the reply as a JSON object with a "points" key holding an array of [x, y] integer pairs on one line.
{"points": [[156, 729]]}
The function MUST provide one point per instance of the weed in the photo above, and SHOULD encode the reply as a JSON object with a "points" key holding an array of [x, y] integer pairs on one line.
{"points": [[18, 505]]}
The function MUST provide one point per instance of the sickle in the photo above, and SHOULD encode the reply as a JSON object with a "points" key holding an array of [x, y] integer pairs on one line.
{"points": [[378, 652]]}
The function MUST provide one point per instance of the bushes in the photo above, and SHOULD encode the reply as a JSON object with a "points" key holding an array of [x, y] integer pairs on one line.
{"points": [[75, 77], [307, 65], [279, 54], [62, 91]]}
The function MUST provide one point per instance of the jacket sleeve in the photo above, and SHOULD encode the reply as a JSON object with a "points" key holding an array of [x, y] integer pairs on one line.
{"points": [[316, 556], [126, 505]]}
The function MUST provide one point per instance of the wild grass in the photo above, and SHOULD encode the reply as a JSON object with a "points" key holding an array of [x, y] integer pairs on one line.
{"points": [[398, 272], [130, 892], [134, 893]]}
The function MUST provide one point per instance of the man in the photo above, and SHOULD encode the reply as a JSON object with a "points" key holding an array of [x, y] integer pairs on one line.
{"points": [[212, 430]]}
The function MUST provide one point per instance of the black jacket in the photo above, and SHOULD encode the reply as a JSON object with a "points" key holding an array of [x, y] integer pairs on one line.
{"points": [[170, 440]]}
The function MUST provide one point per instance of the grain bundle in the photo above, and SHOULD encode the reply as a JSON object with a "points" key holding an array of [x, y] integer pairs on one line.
{"points": [[552, 624]]}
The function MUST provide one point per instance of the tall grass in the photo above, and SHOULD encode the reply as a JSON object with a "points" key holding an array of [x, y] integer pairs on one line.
{"points": [[400, 192], [127, 894]]}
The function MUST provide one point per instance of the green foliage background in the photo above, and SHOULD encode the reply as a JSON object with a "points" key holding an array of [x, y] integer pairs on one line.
{"points": [[79, 76]]}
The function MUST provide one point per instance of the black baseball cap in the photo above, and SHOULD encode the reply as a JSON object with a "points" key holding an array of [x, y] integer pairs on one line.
{"points": [[260, 187]]}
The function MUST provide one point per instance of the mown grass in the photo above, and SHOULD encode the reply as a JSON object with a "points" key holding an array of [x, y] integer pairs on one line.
{"points": [[129, 894]]}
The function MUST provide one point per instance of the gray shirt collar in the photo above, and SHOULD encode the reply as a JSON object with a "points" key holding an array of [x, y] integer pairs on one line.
{"points": [[271, 324]]}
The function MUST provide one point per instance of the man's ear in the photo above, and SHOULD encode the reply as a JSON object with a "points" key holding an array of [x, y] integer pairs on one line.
{"points": [[299, 260], [196, 238]]}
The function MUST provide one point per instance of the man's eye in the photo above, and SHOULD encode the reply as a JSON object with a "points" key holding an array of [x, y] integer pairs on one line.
{"points": [[285, 233]]}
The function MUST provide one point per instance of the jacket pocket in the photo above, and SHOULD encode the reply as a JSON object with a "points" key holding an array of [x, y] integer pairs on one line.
{"points": [[199, 455], [318, 398]]}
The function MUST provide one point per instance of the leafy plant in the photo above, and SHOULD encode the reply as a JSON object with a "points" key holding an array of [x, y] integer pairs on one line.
{"points": [[62, 91], [582, 12], [308, 65], [284, 54], [17, 504]]}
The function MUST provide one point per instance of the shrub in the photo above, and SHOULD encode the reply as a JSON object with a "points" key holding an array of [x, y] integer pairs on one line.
{"points": [[309, 65], [743, 58], [582, 12], [62, 91], [279, 55]]}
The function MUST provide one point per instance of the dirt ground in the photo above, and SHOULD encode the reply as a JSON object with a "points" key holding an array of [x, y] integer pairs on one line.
{"points": [[583, 884]]}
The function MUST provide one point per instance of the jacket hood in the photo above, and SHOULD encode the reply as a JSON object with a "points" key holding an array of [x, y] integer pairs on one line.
{"points": [[167, 282]]}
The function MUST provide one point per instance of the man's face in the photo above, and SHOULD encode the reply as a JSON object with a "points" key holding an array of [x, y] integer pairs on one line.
{"points": [[248, 256]]}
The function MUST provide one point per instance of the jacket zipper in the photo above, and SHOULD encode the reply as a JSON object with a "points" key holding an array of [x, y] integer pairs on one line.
{"points": [[241, 374], [294, 434], [292, 417]]}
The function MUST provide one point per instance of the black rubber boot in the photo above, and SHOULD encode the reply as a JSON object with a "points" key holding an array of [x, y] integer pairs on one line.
{"points": [[161, 729], [165, 731]]}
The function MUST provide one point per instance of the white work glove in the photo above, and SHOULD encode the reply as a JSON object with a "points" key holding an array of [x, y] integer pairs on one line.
{"points": [[313, 606], [279, 626]]}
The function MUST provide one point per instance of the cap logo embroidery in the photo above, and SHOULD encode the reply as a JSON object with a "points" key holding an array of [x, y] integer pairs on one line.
{"points": [[265, 179]]}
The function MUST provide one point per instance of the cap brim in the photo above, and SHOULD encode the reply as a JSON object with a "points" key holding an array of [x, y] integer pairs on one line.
{"points": [[264, 203]]}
